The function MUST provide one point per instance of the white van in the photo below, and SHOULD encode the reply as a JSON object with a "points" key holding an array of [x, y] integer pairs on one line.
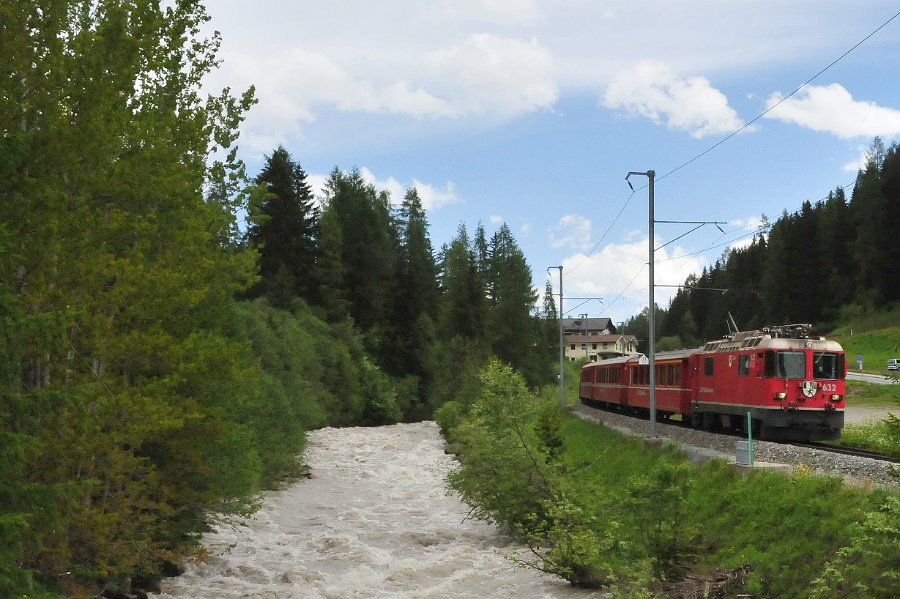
{"points": [[894, 364]]}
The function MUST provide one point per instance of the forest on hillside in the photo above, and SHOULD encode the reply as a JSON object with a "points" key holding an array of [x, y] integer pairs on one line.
{"points": [[830, 261]]}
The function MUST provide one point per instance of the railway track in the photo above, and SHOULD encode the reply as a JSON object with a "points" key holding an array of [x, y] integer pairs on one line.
{"points": [[850, 451], [854, 451]]}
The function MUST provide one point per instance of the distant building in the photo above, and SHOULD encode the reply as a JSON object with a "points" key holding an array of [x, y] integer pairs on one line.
{"points": [[595, 339]]}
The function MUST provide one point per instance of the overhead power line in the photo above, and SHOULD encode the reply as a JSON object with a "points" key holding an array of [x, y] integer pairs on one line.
{"points": [[782, 100], [722, 141]]}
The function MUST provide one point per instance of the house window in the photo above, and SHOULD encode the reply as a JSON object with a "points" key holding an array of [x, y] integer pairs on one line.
{"points": [[605, 345], [594, 346], [572, 346]]}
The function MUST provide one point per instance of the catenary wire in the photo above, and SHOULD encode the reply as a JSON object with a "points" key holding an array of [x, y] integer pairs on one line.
{"points": [[716, 145]]}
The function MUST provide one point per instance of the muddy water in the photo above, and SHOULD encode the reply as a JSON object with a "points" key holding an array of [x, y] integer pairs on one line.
{"points": [[374, 521]]}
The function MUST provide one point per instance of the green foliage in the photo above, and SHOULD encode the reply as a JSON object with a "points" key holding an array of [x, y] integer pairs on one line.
{"points": [[121, 387], [657, 503], [504, 473], [283, 229], [609, 511], [511, 474], [577, 545], [669, 343], [882, 436], [448, 417], [379, 397], [876, 345], [454, 365], [513, 336], [869, 567]]}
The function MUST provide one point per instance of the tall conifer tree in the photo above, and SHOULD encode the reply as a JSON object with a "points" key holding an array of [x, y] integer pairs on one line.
{"points": [[284, 229], [512, 299]]}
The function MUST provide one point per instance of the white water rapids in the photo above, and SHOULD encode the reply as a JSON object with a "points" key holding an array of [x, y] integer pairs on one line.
{"points": [[374, 521]]}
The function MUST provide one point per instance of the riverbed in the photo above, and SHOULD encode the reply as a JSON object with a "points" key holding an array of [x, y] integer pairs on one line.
{"points": [[375, 520]]}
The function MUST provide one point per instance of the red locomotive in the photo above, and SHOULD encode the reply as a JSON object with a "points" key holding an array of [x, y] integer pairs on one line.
{"points": [[791, 383]]}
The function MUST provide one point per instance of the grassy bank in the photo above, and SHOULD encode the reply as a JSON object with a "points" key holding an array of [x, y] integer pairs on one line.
{"points": [[874, 336], [776, 534], [882, 435], [600, 509]]}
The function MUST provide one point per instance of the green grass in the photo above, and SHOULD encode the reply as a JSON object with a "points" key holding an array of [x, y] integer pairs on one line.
{"points": [[871, 395], [784, 528], [878, 436], [875, 336]]}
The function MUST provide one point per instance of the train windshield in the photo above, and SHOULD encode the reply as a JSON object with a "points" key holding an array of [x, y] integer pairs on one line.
{"points": [[828, 365], [791, 364]]}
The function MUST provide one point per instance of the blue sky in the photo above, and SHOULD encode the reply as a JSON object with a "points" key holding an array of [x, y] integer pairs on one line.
{"points": [[531, 112]]}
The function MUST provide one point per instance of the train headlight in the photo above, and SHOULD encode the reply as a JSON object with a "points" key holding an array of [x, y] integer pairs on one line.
{"points": [[835, 398], [780, 396]]}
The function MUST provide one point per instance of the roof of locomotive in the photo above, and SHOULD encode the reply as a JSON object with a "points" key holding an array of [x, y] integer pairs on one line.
{"points": [[783, 337], [795, 336]]}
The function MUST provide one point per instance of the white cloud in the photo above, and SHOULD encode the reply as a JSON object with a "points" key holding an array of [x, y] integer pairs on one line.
{"points": [[501, 12], [572, 232], [391, 185], [317, 184], [483, 75], [496, 219], [619, 275], [832, 109], [490, 74], [396, 98], [858, 163], [433, 197], [652, 90]]}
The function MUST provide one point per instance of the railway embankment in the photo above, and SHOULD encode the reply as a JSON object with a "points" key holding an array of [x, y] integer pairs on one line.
{"points": [[703, 445]]}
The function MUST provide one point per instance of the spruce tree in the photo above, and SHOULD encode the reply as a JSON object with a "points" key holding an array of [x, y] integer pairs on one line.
{"points": [[284, 230], [416, 297], [360, 239], [512, 299]]}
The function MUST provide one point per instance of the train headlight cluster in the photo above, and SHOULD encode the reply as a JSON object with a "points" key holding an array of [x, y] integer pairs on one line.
{"points": [[835, 398], [780, 396]]}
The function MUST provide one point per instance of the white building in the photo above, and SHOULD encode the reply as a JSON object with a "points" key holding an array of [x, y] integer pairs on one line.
{"points": [[595, 339]]}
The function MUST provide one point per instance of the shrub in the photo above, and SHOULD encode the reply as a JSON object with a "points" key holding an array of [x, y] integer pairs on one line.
{"points": [[379, 397], [868, 568]]}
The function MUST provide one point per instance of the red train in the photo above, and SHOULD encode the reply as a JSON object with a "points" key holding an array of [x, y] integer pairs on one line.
{"points": [[791, 383]]}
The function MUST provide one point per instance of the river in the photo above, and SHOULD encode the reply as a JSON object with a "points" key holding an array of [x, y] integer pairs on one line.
{"points": [[375, 520]]}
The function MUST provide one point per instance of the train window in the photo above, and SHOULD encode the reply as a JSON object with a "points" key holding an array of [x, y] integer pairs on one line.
{"points": [[825, 365], [791, 364], [708, 366], [677, 381], [744, 365], [770, 364]]}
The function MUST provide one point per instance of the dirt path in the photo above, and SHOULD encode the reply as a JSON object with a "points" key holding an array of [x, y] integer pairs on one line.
{"points": [[868, 415]]}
